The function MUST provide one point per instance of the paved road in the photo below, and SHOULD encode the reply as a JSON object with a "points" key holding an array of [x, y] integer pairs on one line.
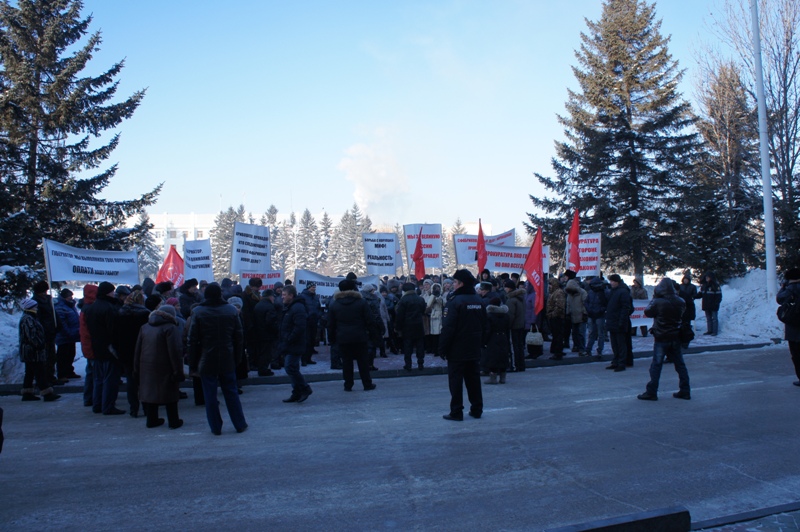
{"points": [[556, 446]]}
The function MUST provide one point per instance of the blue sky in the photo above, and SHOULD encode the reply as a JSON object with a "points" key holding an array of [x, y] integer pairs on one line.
{"points": [[422, 112]]}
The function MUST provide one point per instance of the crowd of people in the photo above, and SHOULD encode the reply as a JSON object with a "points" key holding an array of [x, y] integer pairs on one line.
{"points": [[151, 333]]}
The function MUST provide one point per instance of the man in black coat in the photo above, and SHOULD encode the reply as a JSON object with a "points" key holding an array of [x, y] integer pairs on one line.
{"points": [[266, 324], [349, 322], [618, 321], [409, 314], [464, 332], [101, 318], [216, 347], [314, 311], [293, 343], [47, 317], [666, 309]]}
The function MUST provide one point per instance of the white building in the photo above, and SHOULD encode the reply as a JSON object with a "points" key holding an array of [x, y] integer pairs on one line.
{"points": [[175, 229]]}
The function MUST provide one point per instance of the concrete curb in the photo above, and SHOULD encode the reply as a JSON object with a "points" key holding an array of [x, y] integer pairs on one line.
{"points": [[752, 515], [336, 375], [673, 519]]}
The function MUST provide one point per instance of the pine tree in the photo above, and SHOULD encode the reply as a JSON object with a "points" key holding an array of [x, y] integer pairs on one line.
{"points": [[222, 240], [50, 172], [625, 162], [307, 242], [724, 204], [325, 235], [150, 254], [286, 240]]}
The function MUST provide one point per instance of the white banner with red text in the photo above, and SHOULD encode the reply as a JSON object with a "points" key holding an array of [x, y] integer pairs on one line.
{"points": [[197, 260], [431, 244], [466, 246], [67, 263], [326, 286]]}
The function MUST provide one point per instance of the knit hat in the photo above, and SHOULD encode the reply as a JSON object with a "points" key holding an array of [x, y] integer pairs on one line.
{"points": [[347, 284], [277, 285], [255, 282], [28, 304], [236, 302], [105, 288], [167, 309], [369, 288], [152, 302], [213, 291], [466, 277], [614, 278], [172, 301], [510, 284]]}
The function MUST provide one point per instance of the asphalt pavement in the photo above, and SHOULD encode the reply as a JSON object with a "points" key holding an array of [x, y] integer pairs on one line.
{"points": [[556, 446]]}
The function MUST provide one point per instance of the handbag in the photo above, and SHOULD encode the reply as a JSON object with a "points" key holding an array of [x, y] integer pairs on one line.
{"points": [[534, 338]]}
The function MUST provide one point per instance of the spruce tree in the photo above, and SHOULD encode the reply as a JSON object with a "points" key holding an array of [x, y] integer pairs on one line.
{"points": [[52, 119], [628, 147], [325, 235], [222, 240], [150, 254], [307, 242]]}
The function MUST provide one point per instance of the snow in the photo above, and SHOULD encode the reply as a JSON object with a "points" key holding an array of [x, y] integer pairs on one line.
{"points": [[746, 316]]}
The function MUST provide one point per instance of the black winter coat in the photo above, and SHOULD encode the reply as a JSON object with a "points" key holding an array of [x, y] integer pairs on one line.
{"points": [[497, 346], [293, 328], [266, 321], [666, 308], [101, 319], [409, 314], [216, 338], [187, 300], [711, 293], [619, 309], [688, 292], [464, 326], [349, 318], [130, 319], [790, 333], [46, 316], [597, 298]]}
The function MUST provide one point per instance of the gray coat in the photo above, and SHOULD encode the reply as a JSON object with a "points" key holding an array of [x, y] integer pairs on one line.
{"points": [[158, 359]]}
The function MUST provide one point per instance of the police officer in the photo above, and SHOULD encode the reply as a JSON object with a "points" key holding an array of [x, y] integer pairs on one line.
{"points": [[464, 331]]}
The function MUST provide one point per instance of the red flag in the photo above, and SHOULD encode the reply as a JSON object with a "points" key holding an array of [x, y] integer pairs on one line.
{"points": [[573, 245], [172, 269], [533, 269], [419, 258], [481, 255]]}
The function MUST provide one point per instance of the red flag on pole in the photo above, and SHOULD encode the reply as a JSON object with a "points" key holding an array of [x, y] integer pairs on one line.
{"points": [[419, 258], [573, 245], [533, 269], [172, 269], [481, 255]]}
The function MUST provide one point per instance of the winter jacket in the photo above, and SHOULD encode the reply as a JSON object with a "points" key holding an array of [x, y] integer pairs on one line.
{"points": [[464, 327], [516, 308], [69, 322], [89, 296], [790, 333], [597, 298], [216, 338], [619, 309], [434, 308], [576, 301], [130, 320], [376, 326], [250, 298], [497, 345], [46, 316], [32, 342], [350, 318], [688, 292], [313, 305], [409, 313], [666, 308], [557, 302], [101, 317], [639, 292], [188, 299], [530, 305], [158, 359], [147, 287], [266, 321], [711, 293], [293, 328]]}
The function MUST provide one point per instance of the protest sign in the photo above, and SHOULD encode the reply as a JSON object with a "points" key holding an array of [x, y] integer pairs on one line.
{"points": [[467, 245], [431, 244], [197, 260], [638, 318], [250, 248], [380, 252], [67, 263], [268, 278], [326, 286], [589, 246]]}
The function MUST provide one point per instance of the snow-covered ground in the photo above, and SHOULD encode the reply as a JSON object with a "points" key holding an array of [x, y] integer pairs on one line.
{"points": [[746, 316]]}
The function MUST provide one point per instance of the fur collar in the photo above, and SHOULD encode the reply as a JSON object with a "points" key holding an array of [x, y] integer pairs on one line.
{"points": [[347, 293]]}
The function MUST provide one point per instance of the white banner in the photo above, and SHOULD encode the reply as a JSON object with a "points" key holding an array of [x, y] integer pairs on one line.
{"points": [[66, 263], [380, 252], [197, 260], [326, 286], [268, 278], [466, 246], [431, 244], [506, 258], [589, 250], [250, 248], [638, 318], [546, 262]]}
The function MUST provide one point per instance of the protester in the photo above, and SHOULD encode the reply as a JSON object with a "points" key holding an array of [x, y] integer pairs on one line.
{"points": [[266, 326], [216, 346], [618, 321], [790, 291], [711, 294], [688, 292], [158, 366], [556, 312], [67, 334], [314, 311], [434, 309], [639, 292], [596, 305], [350, 321], [375, 325], [666, 309], [497, 344], [89, 296], [515, 301], [101, 317], [576, 314], [293, 343], [47, 317], [33, 353], [130, 319], [409, 314]]}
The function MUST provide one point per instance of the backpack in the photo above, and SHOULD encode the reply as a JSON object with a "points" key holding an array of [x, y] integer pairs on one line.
{"points": [[789, 311]]}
